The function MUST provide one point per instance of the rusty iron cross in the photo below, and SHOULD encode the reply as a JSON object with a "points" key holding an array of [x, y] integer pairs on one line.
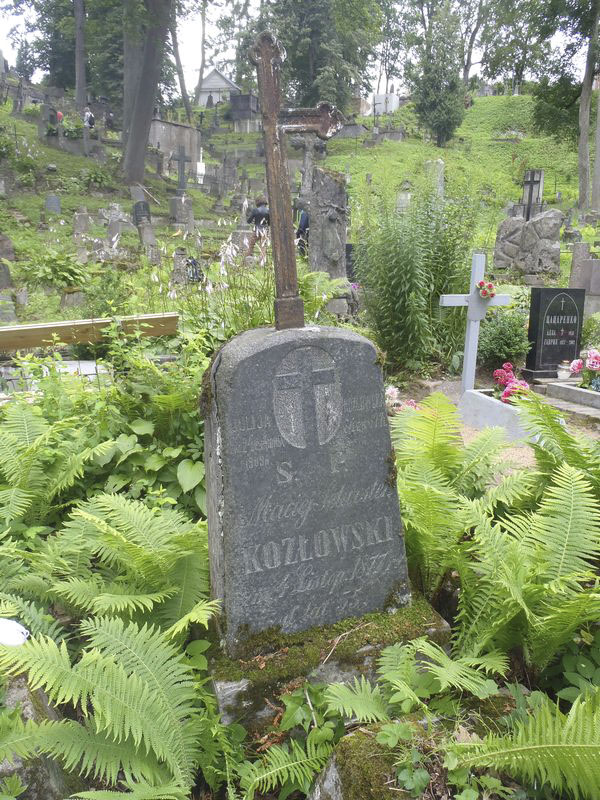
{"points": [[267, 55]]}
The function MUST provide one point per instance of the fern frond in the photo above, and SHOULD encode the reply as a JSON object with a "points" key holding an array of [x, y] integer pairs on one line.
{"points": [[141, 791], [25, 423], [548, 747], [14, 504], [512, 490], [91, 752], [565, 531], [18, 738], [200, 614], [479, 461], [283, 764], [190, 576], [112, 598], [360, 700], [35, 619], [432, 435]]}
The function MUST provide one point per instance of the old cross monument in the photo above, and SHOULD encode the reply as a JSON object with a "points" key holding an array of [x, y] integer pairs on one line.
{"points": [[324, 120], [182, 159], [477, 307], [303, 519]]}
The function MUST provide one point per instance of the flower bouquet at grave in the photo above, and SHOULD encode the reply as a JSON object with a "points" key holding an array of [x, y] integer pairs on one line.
{"points": [[507, 384], [588, 369], [394, 404], [486, 289]]}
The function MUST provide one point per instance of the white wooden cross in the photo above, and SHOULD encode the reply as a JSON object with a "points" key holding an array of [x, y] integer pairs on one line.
{"points": [[476, 310]]}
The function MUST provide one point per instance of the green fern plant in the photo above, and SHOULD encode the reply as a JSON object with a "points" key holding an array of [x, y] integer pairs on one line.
{"points": [[549, 747], [39, 462], [133, 690]]}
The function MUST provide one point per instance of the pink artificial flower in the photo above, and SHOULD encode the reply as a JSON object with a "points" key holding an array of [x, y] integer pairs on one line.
{"points": [[515, 387], [593, 363], [490, 286], [576, 366], [503, 377], [593, 353], [481, 284], [409, 404], [507, 366], [484, 293]]}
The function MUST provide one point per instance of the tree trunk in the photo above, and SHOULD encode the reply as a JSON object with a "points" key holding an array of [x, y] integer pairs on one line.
{"points": [[133, 52], [80, 83], [596, 176], [159, 12], [202, 53], [585, 104], [179, 67]]}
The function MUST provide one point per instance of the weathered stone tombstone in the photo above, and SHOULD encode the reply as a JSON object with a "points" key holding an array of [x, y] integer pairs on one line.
{"points": [[300, 533], [182, 159], [179, 273], [435, 169], [555, 322], [7, 306], [181, 213], [143, 222], [532, 247], [52, 204], [328, 222]]}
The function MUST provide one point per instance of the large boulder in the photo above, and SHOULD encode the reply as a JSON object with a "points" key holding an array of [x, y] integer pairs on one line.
{"points": [[547, 225], [544, 257], [508, 242]]}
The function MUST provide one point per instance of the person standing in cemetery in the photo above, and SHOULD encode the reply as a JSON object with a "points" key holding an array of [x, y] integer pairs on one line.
{"points": [[259, 217], [302, 232], [88, 118]]}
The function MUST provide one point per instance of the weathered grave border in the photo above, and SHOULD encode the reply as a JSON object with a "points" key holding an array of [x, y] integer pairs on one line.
{"points": [[84, 331]]}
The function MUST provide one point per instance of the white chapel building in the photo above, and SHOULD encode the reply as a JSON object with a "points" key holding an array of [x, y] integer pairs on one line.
{"points": [[217, 85]]}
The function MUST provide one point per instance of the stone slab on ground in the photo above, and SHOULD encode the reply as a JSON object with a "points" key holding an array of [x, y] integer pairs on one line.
{"points": [[480, 410]]}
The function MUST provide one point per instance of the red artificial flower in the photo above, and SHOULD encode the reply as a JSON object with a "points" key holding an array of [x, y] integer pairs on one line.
{"points": [[490, 285], [481, 284], [484, 293]]}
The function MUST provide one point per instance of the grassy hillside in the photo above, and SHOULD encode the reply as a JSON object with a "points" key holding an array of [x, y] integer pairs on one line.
{"points": [[488, 156]]}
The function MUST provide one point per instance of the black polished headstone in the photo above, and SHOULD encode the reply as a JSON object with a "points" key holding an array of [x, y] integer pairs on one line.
{"points": [[555, 321], [303, 516]]}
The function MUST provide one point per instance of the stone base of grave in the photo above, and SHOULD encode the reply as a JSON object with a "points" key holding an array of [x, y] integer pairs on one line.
{"points": [[248, 688], [478, 409], [531, 375], [574, 394]]}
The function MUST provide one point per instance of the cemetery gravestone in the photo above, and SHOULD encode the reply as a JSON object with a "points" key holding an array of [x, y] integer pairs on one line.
{"points": [[301, 533], [435, 170], [52, 204], [182, 159], [555, 321], [327, 242]]}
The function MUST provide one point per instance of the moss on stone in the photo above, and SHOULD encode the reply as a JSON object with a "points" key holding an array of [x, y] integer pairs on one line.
{"points": [[273, 661], [364, 767]]}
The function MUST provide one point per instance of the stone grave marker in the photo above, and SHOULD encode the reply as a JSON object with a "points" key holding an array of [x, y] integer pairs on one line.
{"points": [[143, 222], [435, 170], [52, 204], [555, 321], [328, 223], [7, 306], [300, 532], [181, 213], [477, 307], [182, 159]]}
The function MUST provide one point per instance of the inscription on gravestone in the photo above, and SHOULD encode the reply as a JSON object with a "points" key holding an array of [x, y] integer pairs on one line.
{"points": [[555, 320], [304, 523]]}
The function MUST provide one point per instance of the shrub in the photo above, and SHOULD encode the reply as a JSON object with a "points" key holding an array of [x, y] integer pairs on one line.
{"points": [[404, 263], [503, 337], [590, 333], [73, 126]]}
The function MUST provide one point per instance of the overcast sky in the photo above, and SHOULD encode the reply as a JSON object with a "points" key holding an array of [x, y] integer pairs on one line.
{"points": [[189, 37]]}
